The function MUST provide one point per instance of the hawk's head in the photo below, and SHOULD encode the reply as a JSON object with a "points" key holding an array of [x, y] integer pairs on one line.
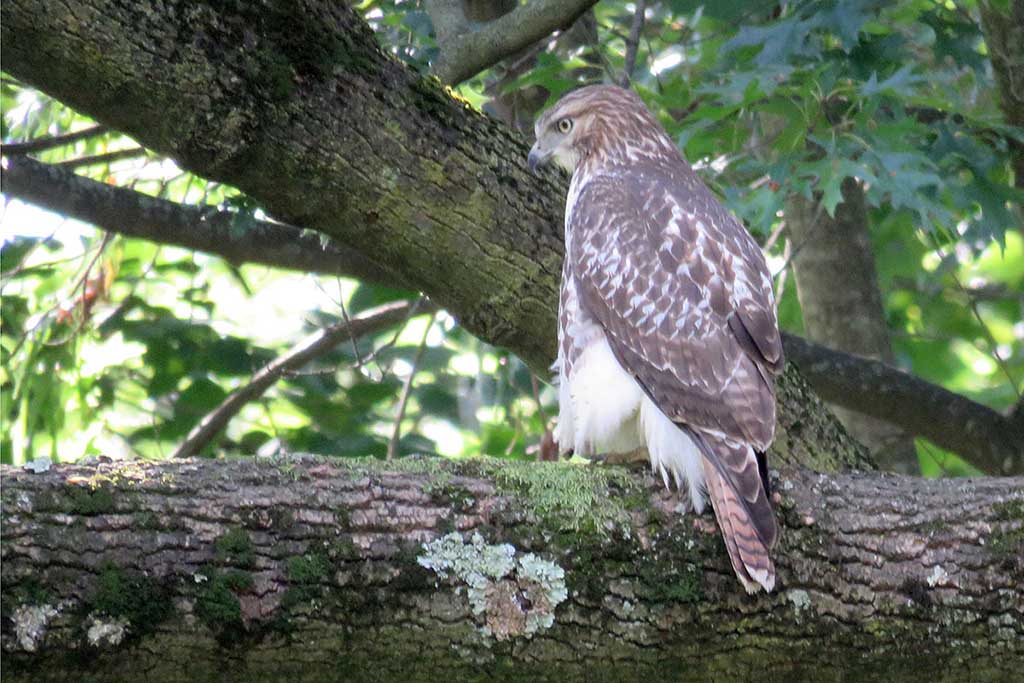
{"points": [[597, 121]]}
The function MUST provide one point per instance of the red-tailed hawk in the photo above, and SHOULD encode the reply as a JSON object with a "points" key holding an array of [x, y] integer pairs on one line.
{"points": [[668, 337]]}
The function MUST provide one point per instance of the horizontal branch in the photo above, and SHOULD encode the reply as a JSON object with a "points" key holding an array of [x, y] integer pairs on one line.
{"points": [[237, 238], [463, 55], [317, 344], [994, 443], [426, 569]]}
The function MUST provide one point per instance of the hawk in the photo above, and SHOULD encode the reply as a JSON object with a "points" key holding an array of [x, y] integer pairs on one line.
{"points": [[667, 337]]}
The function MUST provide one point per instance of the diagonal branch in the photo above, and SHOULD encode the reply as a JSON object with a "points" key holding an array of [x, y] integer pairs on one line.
{"points": [[41, 144], [231, 236], [990, 441], [465, 54], [104, 158], [317, 344]]}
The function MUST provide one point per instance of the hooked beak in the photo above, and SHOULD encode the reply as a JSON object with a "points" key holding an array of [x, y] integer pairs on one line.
{"points": [[537, 158]]}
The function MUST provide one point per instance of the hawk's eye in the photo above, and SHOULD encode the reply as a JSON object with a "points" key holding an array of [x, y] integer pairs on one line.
{"points": [[564, 126]]}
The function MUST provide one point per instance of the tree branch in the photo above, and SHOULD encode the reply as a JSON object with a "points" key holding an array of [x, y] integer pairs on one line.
{"points": [[310, 569], [41, 144], [403, 400], [992, 442], [448, 18], [103, 158], [237, 238], [316, 344], [463, 55], [633, 42]]}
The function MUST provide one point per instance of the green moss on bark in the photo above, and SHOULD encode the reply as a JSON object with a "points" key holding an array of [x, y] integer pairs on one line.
{"points": [[235, 548], [1008, 538], [89, 501], [140, 601]]}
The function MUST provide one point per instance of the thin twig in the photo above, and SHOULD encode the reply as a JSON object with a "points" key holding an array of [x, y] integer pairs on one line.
{"points": [[973, 304], [633, 42], [317, 344], [772, 238], [105, 158], [536, 397], [993, 344], [396, 433], [815, 225], [344, 315], [41, 144], [780, 289]]}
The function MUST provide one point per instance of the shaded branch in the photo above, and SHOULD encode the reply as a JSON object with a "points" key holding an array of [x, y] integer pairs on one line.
{"points": [[317, 344], [235, 237], [41, 144], [465, 54], [103, 158], [990, 441], [633, 42], [301, 569]]}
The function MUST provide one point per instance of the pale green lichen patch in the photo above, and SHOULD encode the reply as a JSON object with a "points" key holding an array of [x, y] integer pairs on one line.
{"points": [[106, 631], [514, 594], [799, 598], [30, 624], [938, 576]]}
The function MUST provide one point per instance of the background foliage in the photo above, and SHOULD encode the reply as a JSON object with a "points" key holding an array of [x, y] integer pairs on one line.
{"points": [[117, 346]]}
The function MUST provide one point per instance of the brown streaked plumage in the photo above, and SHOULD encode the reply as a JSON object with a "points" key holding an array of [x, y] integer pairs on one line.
{"points": [[668, 336]]}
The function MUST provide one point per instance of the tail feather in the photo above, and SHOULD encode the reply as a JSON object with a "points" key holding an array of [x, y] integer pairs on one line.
{"points": [[741, 505]]}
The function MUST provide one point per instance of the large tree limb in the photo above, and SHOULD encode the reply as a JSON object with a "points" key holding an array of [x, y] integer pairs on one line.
{"points": [[992, 442], [267, 570], [300, 109]]}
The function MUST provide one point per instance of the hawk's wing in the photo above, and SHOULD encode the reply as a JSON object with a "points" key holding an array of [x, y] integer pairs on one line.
{"points": [[684, 297]]}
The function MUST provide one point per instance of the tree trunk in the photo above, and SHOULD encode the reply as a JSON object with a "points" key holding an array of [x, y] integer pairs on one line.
{"points": [[359, 570], [1003, 28], [837, 284]]}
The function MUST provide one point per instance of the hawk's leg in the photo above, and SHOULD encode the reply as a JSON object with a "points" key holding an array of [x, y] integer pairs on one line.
{"points": [[634, 458]]}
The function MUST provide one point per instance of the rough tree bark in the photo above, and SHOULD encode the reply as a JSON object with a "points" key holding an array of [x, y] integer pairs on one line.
{"points": [[210, 572], [264, 570]]}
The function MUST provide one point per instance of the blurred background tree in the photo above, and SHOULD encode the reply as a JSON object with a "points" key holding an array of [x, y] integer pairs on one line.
{"points": [[868, 145]]}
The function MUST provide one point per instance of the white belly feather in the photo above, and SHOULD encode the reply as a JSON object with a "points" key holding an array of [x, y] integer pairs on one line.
{"points": [[602, 409]]}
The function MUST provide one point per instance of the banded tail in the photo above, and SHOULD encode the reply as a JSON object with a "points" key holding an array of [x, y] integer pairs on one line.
{"points": [[737, 487]]}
